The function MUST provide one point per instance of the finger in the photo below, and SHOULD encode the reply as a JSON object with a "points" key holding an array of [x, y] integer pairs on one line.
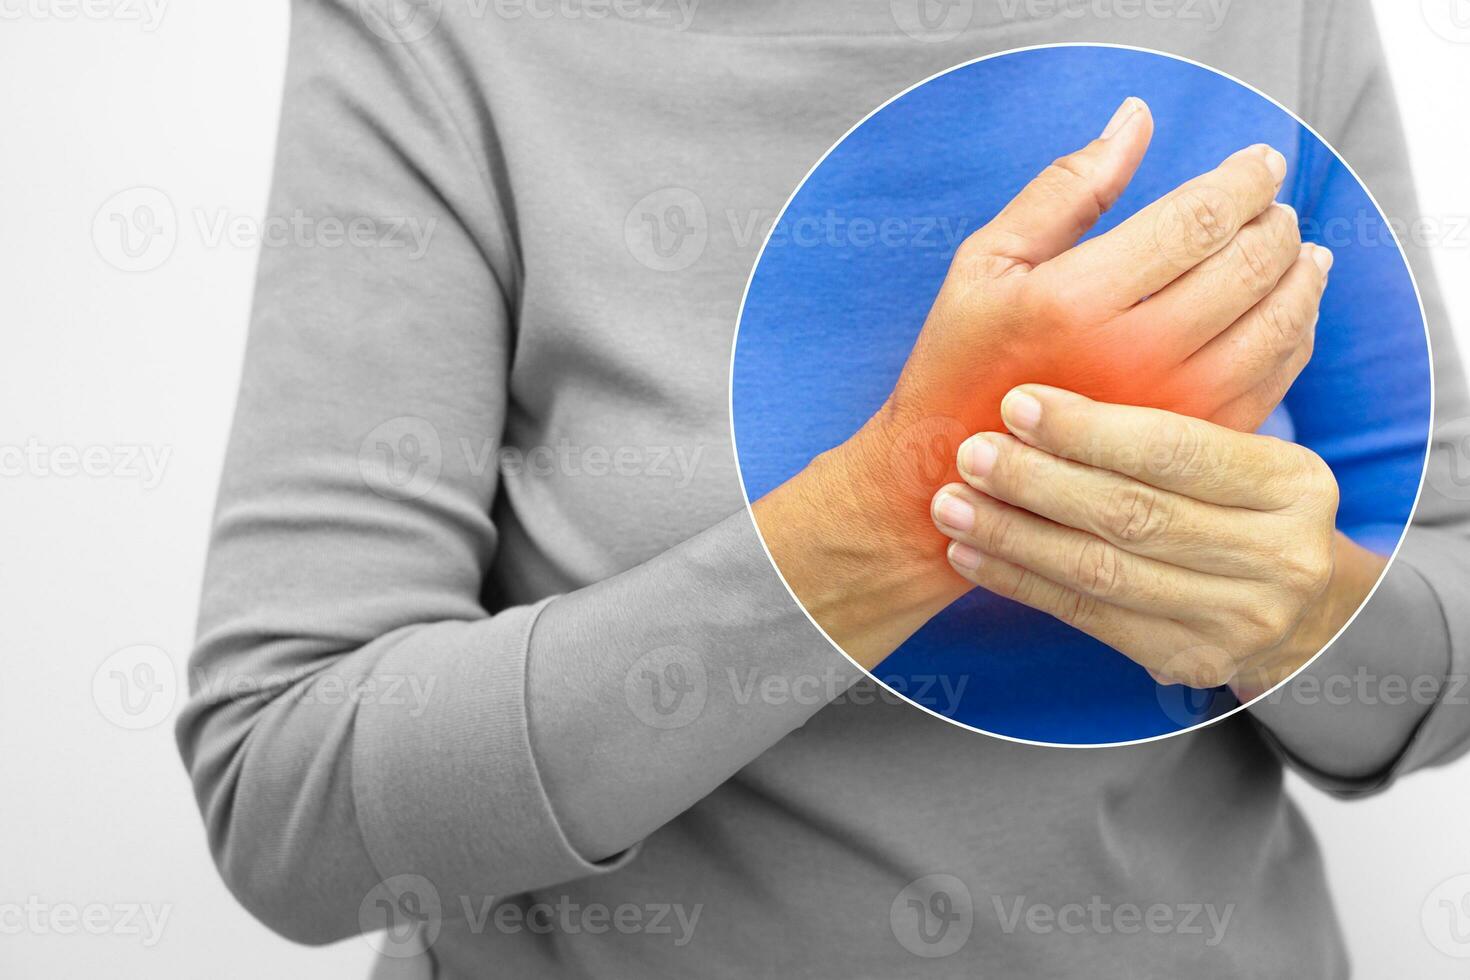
{"points": [[1076, 560], [1174, 234], [1146, 640], [1120, 510], [1264, 351], [1207, 299], [1250, 411], [1068, 197], [1185, 455]]}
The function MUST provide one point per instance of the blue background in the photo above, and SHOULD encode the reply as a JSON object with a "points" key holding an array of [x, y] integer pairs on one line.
{"points": [[835, 306]]}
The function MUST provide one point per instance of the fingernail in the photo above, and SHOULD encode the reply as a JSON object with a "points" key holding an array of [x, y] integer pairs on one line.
{"points": [[954, 513], [964, 557], [1275, 162], [977, 457], [1021, 411], [1290, 211], [1323, 257], [1125, 112]]}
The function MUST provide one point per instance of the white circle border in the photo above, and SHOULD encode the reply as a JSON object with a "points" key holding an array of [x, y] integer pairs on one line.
{"points": [[1423, 468]]}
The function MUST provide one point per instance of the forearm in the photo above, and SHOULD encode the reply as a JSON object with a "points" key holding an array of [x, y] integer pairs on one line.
{"points": [[648, 690]]}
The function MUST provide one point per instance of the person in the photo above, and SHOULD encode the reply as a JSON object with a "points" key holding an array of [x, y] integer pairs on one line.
{"points": [[562, 722]]}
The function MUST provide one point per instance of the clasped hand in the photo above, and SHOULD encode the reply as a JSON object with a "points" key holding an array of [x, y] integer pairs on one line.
{"points": [[1204, 554]]}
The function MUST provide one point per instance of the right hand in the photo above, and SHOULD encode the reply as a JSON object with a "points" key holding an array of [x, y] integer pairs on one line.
{"points": [[1202, 303]]}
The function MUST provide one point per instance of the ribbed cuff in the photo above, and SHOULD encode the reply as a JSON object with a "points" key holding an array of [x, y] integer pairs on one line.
{"points": [[453, 793], [1414, 611]]}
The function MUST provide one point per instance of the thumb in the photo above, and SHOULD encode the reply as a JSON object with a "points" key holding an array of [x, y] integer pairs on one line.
{"points": [[1057, 208]]}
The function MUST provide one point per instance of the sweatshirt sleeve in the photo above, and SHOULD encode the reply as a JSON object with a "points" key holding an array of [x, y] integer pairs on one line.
{"points": [[343, 652], [1424, 599], [356, 712]]}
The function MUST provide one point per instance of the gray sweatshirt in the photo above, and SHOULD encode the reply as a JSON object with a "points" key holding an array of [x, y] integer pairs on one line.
{"points": [[489, 651]]}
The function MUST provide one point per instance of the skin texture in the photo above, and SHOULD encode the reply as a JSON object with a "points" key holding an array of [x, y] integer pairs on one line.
{"points": [[1207, 555], [1203, 303]]}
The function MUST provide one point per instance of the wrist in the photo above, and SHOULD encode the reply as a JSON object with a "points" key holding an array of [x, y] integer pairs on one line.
{"points": [[851, 534]]}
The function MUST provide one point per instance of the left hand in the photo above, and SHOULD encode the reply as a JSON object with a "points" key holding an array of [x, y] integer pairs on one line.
{"points": [[1207, 555]]}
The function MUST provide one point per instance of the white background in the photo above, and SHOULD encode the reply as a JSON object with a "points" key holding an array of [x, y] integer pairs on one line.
{"points": [[147, 362]]}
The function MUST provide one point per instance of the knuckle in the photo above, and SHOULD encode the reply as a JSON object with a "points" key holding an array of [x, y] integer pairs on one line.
{"points": [[1076, 608], [970, 251], [1304, 574], [1097, 570], [1133, 513], [1320, 474], [999, 537], [1175, 449], [1052, 303], [1072, 178], [1024, 588], [1310, 478], [1203, 219], [1265, 625], [983, 258], [1254, 263], [1201, 666], [1018, 466], [1210, 673], [1285, 322]]}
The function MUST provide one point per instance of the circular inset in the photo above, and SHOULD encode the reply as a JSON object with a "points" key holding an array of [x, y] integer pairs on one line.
{"points": [[829, 322]]}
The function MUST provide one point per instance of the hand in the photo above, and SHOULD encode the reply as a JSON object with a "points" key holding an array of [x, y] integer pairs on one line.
{"points": [[1207, 555], [1193, 304], [1201, 303]]}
